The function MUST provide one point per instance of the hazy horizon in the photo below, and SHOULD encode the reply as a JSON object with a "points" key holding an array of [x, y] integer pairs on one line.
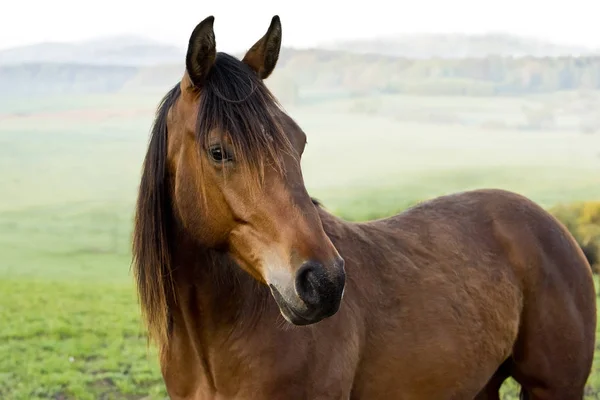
{"points": [[32, 22]]}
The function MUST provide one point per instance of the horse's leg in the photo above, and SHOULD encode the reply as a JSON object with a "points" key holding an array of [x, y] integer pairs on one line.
{"points": [[559, 379], [491, 391], [553, 354]]}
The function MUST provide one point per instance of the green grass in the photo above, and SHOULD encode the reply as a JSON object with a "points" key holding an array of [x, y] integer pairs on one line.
{"points": [[75, 339], [71, 326], [70, 323]]}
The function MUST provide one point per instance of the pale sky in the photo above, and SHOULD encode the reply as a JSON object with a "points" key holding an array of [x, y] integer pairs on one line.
{"points": [[238, 23]]}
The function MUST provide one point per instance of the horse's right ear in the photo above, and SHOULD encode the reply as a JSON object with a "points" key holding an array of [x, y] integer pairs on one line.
{"points": [[263, 56], [201, 52]]}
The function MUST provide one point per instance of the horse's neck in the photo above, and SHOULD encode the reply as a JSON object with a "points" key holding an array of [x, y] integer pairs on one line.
{"points": [[214, 291], [216, 306]]}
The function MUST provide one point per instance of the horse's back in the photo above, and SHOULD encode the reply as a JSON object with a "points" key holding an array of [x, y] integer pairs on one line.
{"points": [[469, 280], [501, 224]]}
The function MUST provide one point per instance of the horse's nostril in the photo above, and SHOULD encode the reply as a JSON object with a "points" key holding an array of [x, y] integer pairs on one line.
{"points": [[307, 282]]}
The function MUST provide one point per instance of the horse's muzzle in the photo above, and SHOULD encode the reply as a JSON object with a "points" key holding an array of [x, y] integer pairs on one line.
{"points": [[317, 293]]}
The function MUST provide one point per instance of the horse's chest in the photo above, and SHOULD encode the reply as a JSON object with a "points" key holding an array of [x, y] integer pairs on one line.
{"points": [[267, 370]]}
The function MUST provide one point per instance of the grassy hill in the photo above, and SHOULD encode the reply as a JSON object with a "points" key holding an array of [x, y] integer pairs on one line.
{"points": [[69, 169]]}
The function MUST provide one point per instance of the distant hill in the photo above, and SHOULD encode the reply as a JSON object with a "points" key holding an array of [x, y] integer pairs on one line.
{"points": [[302, 75], [39, 79], [458, 46], [139, 51], [116, 50]]}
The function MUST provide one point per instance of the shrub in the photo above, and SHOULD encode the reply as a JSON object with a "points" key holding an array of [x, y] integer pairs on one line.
{"points": [[583, 221]]}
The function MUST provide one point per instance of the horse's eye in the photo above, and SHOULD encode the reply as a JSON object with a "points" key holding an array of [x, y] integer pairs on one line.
{"points": [[219, 154]]}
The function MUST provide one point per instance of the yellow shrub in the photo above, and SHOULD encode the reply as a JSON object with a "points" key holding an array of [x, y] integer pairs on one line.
{"points": [[583, 221]]}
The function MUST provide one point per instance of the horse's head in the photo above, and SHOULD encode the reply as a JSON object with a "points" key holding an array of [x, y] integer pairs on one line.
{"points": [[233, 167]]}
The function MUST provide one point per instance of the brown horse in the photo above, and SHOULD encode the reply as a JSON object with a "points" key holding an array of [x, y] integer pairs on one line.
{"points": [[253, 291]]}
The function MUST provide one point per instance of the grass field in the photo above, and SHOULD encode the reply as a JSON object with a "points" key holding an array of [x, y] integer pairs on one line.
{"points": [[69, 169]]}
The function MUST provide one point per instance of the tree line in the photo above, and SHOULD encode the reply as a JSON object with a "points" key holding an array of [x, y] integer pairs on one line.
{"points": [[490, 76], [328, 72]]}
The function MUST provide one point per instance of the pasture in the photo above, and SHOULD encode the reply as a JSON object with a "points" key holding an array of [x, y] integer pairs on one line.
{"points": [[69, 169]]}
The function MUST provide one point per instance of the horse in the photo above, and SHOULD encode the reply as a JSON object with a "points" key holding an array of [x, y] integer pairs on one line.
{"points": [[251, 289]]}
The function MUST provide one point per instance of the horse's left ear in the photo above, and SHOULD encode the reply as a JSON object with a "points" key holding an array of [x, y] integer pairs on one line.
{"points": [[263, 56], [201, 52]]}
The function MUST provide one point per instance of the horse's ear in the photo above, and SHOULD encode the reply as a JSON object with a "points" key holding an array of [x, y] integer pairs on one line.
{"points": [[201, 52], [263, 56]]}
